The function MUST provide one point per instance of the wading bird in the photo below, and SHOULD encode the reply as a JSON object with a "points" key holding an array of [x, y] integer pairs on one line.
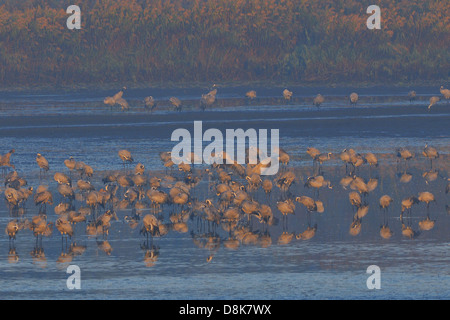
{"points": [[407, 204], [176, 103], [251, 94], [12, 228], [404, 154], [345, 155], [284, 157], [286, 207], [267, 186], [150, 103], [433, 101], [355, 199], [412, 96], [64, 227], [354, 98], [61, 178], [313, 153], [116, 99], [42, 163], [445, 93], [287, 95], [207, 100], [385, 202], [426, 197], [110, 102], [318, 182], [430, 153], [123, 104], [321, 158], [371, 159], [43, 197], [5, 161], [318, 100], [125, 156], [70, 164]]}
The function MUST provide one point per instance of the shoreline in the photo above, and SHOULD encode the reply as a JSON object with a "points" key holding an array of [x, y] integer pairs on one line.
{"points": [[225, 84]]}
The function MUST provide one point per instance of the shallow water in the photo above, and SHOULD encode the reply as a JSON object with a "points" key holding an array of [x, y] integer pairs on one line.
{"points": [[332, 265]]}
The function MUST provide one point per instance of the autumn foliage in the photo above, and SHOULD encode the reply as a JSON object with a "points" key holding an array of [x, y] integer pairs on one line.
{"points": [[148, 41]]}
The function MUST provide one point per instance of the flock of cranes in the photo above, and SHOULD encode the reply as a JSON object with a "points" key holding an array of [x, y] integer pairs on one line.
{"points": [[234, 197], [208, 99]]}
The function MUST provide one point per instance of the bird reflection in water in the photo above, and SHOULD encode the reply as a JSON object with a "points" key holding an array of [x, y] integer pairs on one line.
{"points": [[39, 257], [151, 254]]}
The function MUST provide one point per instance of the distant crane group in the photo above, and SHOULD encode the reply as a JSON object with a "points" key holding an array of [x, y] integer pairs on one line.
{"points": [[208, 99]]}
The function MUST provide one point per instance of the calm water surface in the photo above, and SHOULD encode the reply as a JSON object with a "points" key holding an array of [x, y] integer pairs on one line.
{"points": [[332, 265]]}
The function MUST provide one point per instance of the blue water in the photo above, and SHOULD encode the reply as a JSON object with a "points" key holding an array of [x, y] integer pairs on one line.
{"points": [[332, 265]]}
